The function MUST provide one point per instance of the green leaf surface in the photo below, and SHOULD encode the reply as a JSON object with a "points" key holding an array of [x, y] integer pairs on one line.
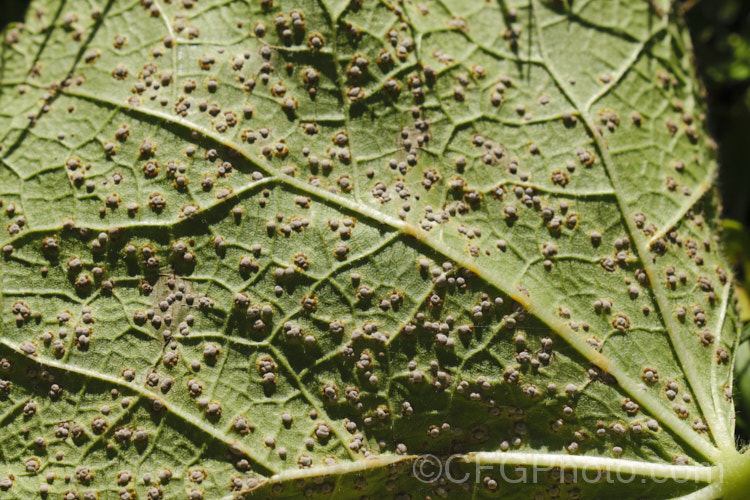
{"points": [[277, 249]]}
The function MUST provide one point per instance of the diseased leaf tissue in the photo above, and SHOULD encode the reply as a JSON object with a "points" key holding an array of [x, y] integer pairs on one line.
{"points": [[281, 249]]}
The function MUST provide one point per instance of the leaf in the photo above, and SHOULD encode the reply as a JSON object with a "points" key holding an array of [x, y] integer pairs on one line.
{"points": [[356, 248], [736, 241], [741, 365]]}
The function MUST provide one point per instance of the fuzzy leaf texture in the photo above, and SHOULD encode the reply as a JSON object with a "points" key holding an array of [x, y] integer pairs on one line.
{"points": [[281, 249]]}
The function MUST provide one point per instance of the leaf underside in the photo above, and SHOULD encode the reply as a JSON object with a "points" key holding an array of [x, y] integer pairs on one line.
{"points": [[281, 248]]}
